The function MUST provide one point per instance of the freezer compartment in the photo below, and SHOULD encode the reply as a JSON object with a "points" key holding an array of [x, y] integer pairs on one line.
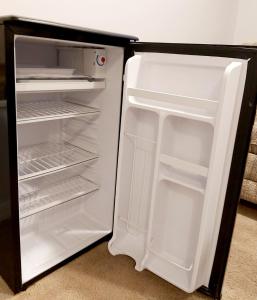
{"points": [[135, 179], [94, 60], [48, 70], [49, 237], [57, 58]]}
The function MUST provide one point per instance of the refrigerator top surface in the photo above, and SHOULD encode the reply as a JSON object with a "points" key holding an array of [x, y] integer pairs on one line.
{"points": [[11, 18]]}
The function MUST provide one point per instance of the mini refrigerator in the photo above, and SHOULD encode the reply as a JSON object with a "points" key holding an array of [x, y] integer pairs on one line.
{"points": [[104, 137]]}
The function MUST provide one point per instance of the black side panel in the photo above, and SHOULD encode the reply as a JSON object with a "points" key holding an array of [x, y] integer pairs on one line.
{"points": [[9, 219], [246, 119]]}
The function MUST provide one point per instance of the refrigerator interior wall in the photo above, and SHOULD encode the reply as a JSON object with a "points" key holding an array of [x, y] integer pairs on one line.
{"points": [[67, 152], [179, 121]]}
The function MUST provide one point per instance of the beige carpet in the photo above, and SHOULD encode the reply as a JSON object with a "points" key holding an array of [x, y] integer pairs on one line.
{"points": [[98, 275]]}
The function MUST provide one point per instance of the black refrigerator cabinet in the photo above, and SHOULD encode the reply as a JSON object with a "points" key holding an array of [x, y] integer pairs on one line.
{"points": [[107, 138]]}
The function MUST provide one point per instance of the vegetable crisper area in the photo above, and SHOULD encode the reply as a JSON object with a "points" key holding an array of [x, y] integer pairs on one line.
{"points": [[53, 235], [67, 147], [170, 127]]}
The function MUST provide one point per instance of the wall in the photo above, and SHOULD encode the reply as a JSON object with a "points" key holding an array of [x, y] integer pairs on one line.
{"points": [[192, 21], [246, 22]]}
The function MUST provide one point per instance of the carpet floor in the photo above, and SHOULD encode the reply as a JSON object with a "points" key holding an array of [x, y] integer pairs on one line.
{"points": [[98, 275]]}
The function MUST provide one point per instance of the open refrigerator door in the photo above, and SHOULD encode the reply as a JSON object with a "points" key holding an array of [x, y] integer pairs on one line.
{"points": [[179, 122]]}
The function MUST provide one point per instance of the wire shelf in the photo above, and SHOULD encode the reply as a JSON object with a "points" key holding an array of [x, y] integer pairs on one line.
{"points": [[46, 157], [37, 195], [34, 111]]}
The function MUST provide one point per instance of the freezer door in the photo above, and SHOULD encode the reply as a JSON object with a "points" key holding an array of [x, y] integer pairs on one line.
{"points": [[178, 129]]}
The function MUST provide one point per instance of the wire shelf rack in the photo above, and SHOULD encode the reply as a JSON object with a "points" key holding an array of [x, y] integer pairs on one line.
{"points": [[37, 195], [43, 110], [47, 157]]}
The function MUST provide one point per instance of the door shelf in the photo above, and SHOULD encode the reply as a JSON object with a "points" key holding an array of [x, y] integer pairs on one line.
{"points": [[202, 110], [169, 259], [36, 196], [178, 275], [44, 110], [57, 85], [184, 165], [166, 100], [182, 183], [174, 112], [46, 157], [174, 231], [189, 141]]}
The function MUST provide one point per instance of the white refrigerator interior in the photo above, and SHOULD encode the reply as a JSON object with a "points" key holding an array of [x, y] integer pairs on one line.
{"points": [[179, 121], [68, 130]]}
